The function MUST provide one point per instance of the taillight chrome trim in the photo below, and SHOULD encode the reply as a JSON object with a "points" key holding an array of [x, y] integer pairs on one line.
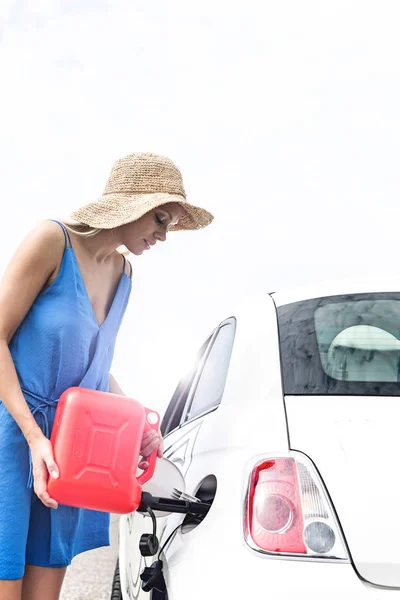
{"points": [[252, 546]]}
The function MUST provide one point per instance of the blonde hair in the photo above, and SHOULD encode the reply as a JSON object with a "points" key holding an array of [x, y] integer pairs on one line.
{"points": [[84, 230], [80, 228]]}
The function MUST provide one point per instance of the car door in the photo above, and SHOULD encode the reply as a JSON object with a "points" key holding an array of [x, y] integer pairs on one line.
{"points": [[184, 426], [198, 394]]}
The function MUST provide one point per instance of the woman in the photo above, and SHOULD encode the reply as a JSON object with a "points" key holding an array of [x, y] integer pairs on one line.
{"points": [[62, 300]]}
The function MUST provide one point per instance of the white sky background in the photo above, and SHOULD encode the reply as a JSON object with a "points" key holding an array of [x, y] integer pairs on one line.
{"points": [[283, 116]]}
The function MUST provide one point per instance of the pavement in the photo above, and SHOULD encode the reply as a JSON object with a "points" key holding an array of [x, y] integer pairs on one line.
{"points": [[91, 573]]}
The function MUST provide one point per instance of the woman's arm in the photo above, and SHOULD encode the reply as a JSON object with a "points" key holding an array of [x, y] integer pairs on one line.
{"points": [[27, 273], [114, 387]]}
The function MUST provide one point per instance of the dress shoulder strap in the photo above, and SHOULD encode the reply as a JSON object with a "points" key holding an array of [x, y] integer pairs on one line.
{"points": [[66, 234], [130, 266]]}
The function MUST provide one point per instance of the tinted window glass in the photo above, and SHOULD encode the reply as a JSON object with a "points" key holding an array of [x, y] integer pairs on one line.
{"points": [[341, 345], [210, 386], [174, 412]]}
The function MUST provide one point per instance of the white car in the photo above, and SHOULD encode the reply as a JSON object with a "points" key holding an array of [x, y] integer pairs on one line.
{"points": [[288, 425]]}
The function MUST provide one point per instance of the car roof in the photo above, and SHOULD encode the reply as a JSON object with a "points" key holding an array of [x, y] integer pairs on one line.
{"points": [[338, 287]]}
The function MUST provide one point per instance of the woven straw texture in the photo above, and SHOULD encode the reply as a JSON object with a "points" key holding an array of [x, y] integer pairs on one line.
{"points": [[138, 183]]}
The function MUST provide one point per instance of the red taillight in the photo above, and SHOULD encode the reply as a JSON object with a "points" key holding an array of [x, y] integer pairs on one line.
{"points": [[275, 518], [288, 511]]}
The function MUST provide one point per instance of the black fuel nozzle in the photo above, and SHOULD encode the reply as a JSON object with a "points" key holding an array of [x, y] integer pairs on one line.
{"points": [[153, 578], [172, 506]]}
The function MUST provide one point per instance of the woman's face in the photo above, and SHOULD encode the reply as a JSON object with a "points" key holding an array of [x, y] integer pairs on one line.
{"points": [[142, 234]]}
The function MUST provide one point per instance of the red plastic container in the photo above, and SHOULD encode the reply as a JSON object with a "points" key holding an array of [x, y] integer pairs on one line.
{"points": [[96, 442]]}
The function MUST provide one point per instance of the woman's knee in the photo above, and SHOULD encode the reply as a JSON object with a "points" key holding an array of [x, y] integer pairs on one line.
{"points": [[10, 589], [42, 583]]}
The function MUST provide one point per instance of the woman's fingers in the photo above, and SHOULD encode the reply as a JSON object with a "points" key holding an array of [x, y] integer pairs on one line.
{"points": [[150, 441], [51, 466], [160, 452], [44, 466], [149, 435], [40, 475], [150, 447], [47, 501]]}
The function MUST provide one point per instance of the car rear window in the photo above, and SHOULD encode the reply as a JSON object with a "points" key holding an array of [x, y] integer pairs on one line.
{"points": [[342, 345]]}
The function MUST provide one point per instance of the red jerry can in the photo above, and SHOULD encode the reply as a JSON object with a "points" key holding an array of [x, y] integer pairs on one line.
{"points": [[96, 441]]}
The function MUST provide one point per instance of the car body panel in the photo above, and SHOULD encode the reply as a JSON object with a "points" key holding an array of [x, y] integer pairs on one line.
{"points": [[254, 419]]}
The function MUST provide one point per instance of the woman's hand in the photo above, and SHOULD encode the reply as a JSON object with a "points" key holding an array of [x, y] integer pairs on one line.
{"points": [[150, 441], [43, 466]]}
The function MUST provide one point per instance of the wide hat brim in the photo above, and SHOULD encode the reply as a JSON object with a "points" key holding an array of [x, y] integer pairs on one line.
{"points": [[114, 210]]}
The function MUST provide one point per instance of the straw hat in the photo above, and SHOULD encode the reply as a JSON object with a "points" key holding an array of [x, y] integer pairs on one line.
{"points": [[138, 183]]}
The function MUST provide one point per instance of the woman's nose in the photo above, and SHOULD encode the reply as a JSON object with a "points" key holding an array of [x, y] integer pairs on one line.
{"points": [[161, 236]]}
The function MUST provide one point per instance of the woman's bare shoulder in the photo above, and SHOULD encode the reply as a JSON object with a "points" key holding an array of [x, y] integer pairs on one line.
{"points": [[32, 264], [46, 233]]}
